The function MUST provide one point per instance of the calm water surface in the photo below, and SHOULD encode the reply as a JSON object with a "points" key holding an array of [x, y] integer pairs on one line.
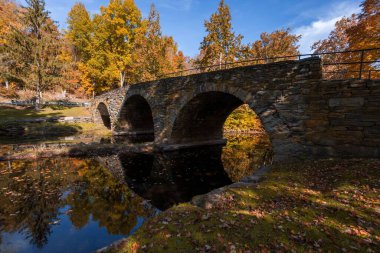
{"points": [[80, 205]]}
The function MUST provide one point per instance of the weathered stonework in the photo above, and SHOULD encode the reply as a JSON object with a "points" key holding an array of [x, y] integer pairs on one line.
{"points": [[305, 116], [113, 101]]}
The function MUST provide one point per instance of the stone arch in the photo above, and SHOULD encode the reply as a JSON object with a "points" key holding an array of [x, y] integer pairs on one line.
{"points": [[136, 116], [202, 116], [104, 114]]}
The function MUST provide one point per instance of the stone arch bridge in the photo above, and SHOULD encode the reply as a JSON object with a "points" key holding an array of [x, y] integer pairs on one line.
{"points": [[304, 115]]}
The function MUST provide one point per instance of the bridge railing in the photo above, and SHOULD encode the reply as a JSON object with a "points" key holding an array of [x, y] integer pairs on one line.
{"points": [[352, 64]]}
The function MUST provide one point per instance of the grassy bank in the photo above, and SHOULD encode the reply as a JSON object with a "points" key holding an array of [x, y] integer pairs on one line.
{"points": [[12, 127], [315, 206], [12, 113]]}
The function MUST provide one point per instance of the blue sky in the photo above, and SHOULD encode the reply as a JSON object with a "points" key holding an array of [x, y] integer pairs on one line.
{"points": [[183, 19]]}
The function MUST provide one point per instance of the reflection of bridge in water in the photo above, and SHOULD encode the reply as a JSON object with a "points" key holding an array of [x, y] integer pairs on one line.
{"points": [[170, 178]]}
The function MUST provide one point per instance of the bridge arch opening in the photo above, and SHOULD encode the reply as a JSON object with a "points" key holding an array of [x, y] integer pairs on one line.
{"points": [[203, 117], [104, 115], [248, 144], [215, 115], [136, 116], [210, 117]]}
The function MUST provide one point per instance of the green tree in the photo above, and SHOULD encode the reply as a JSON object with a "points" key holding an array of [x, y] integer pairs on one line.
{"points": [[220, 45]]}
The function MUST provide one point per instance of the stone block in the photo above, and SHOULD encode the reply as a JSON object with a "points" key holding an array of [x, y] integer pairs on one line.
{"points": [[358, 83], [349, 102], [343, 122], [316, 123]]}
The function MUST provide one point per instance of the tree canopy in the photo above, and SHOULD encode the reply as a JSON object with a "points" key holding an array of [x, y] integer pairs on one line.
{"points": [[221, 44], [119, 47]]}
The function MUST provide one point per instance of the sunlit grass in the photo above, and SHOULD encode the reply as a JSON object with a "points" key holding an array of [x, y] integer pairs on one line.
{"points": [[13, 113], [314, 206]]}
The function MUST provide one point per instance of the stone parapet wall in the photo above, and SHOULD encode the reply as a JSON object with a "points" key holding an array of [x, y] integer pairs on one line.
{"points": [[343, 118]]}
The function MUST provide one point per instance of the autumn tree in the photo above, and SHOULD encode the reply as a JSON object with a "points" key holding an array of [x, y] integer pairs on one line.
{"points": [[365, 33], [337, 41], [78, 38], [153, 48], [220, 45], [159, 53], [116, 30], [9, 20], [279, 43], [181, 61], [352, 33], [79, 31], [36, 49], [173, 59]]}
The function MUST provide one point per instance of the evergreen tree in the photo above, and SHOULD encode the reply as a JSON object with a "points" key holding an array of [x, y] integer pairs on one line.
{"points": [[154, 45], [220, 45], [159, 53], [36, 49]]}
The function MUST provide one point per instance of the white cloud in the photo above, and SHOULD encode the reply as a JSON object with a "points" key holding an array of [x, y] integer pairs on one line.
{"points": [[324, 24]]}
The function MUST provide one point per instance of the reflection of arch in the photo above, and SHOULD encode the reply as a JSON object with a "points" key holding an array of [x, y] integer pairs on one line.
{"points": [[202, 118], [174, 177], [104, 114], [136, 116]]}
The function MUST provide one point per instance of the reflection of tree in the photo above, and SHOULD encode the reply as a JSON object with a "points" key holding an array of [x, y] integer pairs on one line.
{"points": [[110, 202], [244, 154], [30, 198], [31, 195]]}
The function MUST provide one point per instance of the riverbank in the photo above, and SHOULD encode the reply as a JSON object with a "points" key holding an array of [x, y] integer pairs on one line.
{"points": [[22, 124], [329, 205], [37, 151]]}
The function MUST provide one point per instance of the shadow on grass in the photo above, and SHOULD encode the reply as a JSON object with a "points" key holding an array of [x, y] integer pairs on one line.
{"points": [[316, 206], [8, 113], [36, 132]]}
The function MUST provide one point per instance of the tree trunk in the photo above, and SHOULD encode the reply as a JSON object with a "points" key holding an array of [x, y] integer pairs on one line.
{"points": [[38, 97], [220, 61], [122, 79], [39, 82]]}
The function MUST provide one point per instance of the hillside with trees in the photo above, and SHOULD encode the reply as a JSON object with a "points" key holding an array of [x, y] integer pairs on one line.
{"points": [[118, 46]]}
